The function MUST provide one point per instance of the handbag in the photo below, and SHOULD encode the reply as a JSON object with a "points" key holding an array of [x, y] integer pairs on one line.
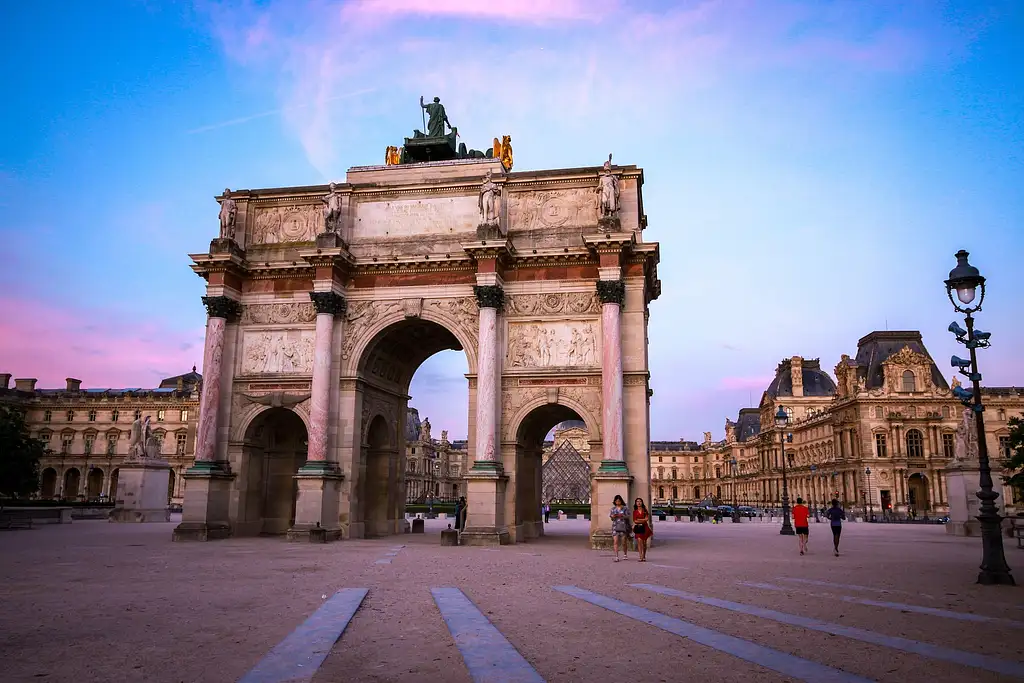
{"points": [[638, 528]]}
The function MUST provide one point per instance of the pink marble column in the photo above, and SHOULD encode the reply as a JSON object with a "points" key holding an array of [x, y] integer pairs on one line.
{"points": [[219, 309], [612, 294], [327, 304], [490, 299]]}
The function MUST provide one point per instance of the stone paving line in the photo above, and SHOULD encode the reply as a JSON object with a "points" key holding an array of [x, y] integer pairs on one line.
{"points": [[230, 609]]}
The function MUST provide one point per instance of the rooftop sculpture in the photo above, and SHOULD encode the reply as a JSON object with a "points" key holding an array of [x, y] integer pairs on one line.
{"points": [[440, 142]]}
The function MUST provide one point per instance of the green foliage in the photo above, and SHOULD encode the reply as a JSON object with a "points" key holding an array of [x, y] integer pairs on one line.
{"points": [[19, 454], [1016, 461]]}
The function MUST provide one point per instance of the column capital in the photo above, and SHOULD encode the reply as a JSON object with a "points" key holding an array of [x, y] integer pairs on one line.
{"points": [[222, 307], [329, 302], [489, 296], [611, 291]]}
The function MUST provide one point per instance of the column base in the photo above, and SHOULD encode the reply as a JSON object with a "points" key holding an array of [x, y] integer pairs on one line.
{"points": [[485, 501], [204, 515], [612, 479], [317, 505]]}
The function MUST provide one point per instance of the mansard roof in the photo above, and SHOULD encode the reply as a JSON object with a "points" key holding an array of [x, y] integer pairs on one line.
{"points": [[748, 424], [816, 381], [675, 446], [876, 348], [188, 379]]}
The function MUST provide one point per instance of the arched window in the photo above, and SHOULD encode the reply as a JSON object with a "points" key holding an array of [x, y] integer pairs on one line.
{"points": [[909, 381], [915, 444], [661, 492]]}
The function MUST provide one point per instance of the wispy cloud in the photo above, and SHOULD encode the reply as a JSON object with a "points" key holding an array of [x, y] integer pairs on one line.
{"points": [[757, 382], [102, 348], [276, 112]]}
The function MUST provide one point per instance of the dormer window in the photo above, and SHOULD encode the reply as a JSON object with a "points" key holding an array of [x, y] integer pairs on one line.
{"points": [[909, 381]]}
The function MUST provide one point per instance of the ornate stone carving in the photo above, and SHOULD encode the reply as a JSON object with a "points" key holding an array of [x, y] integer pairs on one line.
{"points": [[221, 307], [513, 399], [375, 404], [541, 345], [556, 303], [328, 302], [228, 214], [966, 447], [907, 357], [274, 314], [634, 380], [275, 224], [611, 291], [551, 209], [489, 296], [362, 315], [276, 399], [332, 210], [588, 398], [278, 352], [462, 310]]}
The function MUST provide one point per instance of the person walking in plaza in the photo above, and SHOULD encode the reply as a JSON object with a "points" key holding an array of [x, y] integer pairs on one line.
{"points": [[620, 527], [642, 527], [800, 518], [547, 512], [458, 515], [836, 515]]}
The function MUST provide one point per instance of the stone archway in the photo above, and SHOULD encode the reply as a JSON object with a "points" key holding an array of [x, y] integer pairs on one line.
{"points": [[917, 493], [94, 483], [48, 485], [72, 483], [382, 502], [273, 451], [112, 488]]}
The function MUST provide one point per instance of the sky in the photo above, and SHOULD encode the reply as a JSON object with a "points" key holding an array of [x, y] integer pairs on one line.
{"points": [[810, 166]]}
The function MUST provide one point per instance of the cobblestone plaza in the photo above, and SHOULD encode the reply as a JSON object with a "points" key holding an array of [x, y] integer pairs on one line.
{"points": [[96, 601]]}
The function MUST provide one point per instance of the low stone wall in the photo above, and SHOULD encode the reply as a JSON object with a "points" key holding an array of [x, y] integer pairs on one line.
{"points": [[91, 513], [40, 515]]}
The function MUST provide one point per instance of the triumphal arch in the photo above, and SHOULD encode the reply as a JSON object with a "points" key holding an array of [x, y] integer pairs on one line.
{"points": [[322, 302]]}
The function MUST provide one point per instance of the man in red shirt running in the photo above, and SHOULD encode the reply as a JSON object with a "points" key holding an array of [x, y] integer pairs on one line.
{"points": [[800, 517]]}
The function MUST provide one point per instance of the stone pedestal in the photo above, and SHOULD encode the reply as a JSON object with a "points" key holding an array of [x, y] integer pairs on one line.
{"points": [[317, 503], [962, 485], [485, 499], [204, 514], [489, 231], [142, 492], [449, 537], [607, 485]]}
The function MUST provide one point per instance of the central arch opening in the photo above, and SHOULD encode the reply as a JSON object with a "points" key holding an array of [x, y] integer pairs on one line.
{"points": [[547, 470], [401, 462]]}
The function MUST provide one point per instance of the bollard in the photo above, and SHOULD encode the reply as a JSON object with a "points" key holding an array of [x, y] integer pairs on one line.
{"points": [[417, 526]]}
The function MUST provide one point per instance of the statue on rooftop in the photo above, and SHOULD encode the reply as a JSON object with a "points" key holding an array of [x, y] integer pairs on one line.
{"points": [[332, 211], [228, 213], [438, 118]]}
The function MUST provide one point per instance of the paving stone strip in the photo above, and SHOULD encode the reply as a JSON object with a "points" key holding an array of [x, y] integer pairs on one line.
{"points": [[916, 647]]}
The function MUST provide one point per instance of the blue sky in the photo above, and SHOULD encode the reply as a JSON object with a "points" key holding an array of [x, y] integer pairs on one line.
{"points": [[811, 167]]}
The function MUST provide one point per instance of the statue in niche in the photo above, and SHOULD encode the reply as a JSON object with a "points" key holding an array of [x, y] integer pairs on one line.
{"points": [[438, 118], [332, 212], [489, 201], [966, 438], [139, 439], [608, 191], [228, 213]]}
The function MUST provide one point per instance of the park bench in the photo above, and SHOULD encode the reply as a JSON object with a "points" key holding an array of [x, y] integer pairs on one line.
{"points": [[15, 519]]}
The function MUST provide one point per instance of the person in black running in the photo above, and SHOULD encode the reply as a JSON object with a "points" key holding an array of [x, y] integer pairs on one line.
{"points": [[836, 515]]}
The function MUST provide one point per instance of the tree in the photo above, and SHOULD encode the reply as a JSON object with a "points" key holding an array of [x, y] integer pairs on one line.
{"points": [[19, 454], [1015, 463]]}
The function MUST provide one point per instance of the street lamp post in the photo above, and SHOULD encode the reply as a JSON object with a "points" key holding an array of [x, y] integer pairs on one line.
{"points": [[814, 469], [867, 478], [781, 421], [735, 509], [965, 279]]}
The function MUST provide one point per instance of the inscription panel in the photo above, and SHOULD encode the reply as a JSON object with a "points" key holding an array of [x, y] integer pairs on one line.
{"points": [[278, 352], [553, 345], [408, 217]]}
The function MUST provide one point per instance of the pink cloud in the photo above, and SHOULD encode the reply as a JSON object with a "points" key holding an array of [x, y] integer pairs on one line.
{"points": [[509, 10], [101, 348], [760, 383]]}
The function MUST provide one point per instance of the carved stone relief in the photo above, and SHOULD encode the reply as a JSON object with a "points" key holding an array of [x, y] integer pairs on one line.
{"points": [[514, 399], [589, 398], [553, 345], [462, 310], [552, 209], [271, 352], [276, 224], [362, 315], [559, 303], [270, 314]]}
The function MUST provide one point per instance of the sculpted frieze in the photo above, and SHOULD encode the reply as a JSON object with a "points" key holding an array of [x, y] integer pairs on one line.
{"points": [[281, 313], [462, 310], [589, 398], [552, 345], [362, 315], [275, 224], [272, 352], [572, 208], [557, 303]]}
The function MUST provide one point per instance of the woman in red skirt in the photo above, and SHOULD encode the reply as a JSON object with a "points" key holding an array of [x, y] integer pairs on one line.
{"points": [[642, 527]]}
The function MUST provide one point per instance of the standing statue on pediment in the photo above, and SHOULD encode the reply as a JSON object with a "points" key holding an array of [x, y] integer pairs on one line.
{"points": [[608, 191], [966, 447], [228, 213], [138, 438], [489, 201], [438, 118], [332, 210]]}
